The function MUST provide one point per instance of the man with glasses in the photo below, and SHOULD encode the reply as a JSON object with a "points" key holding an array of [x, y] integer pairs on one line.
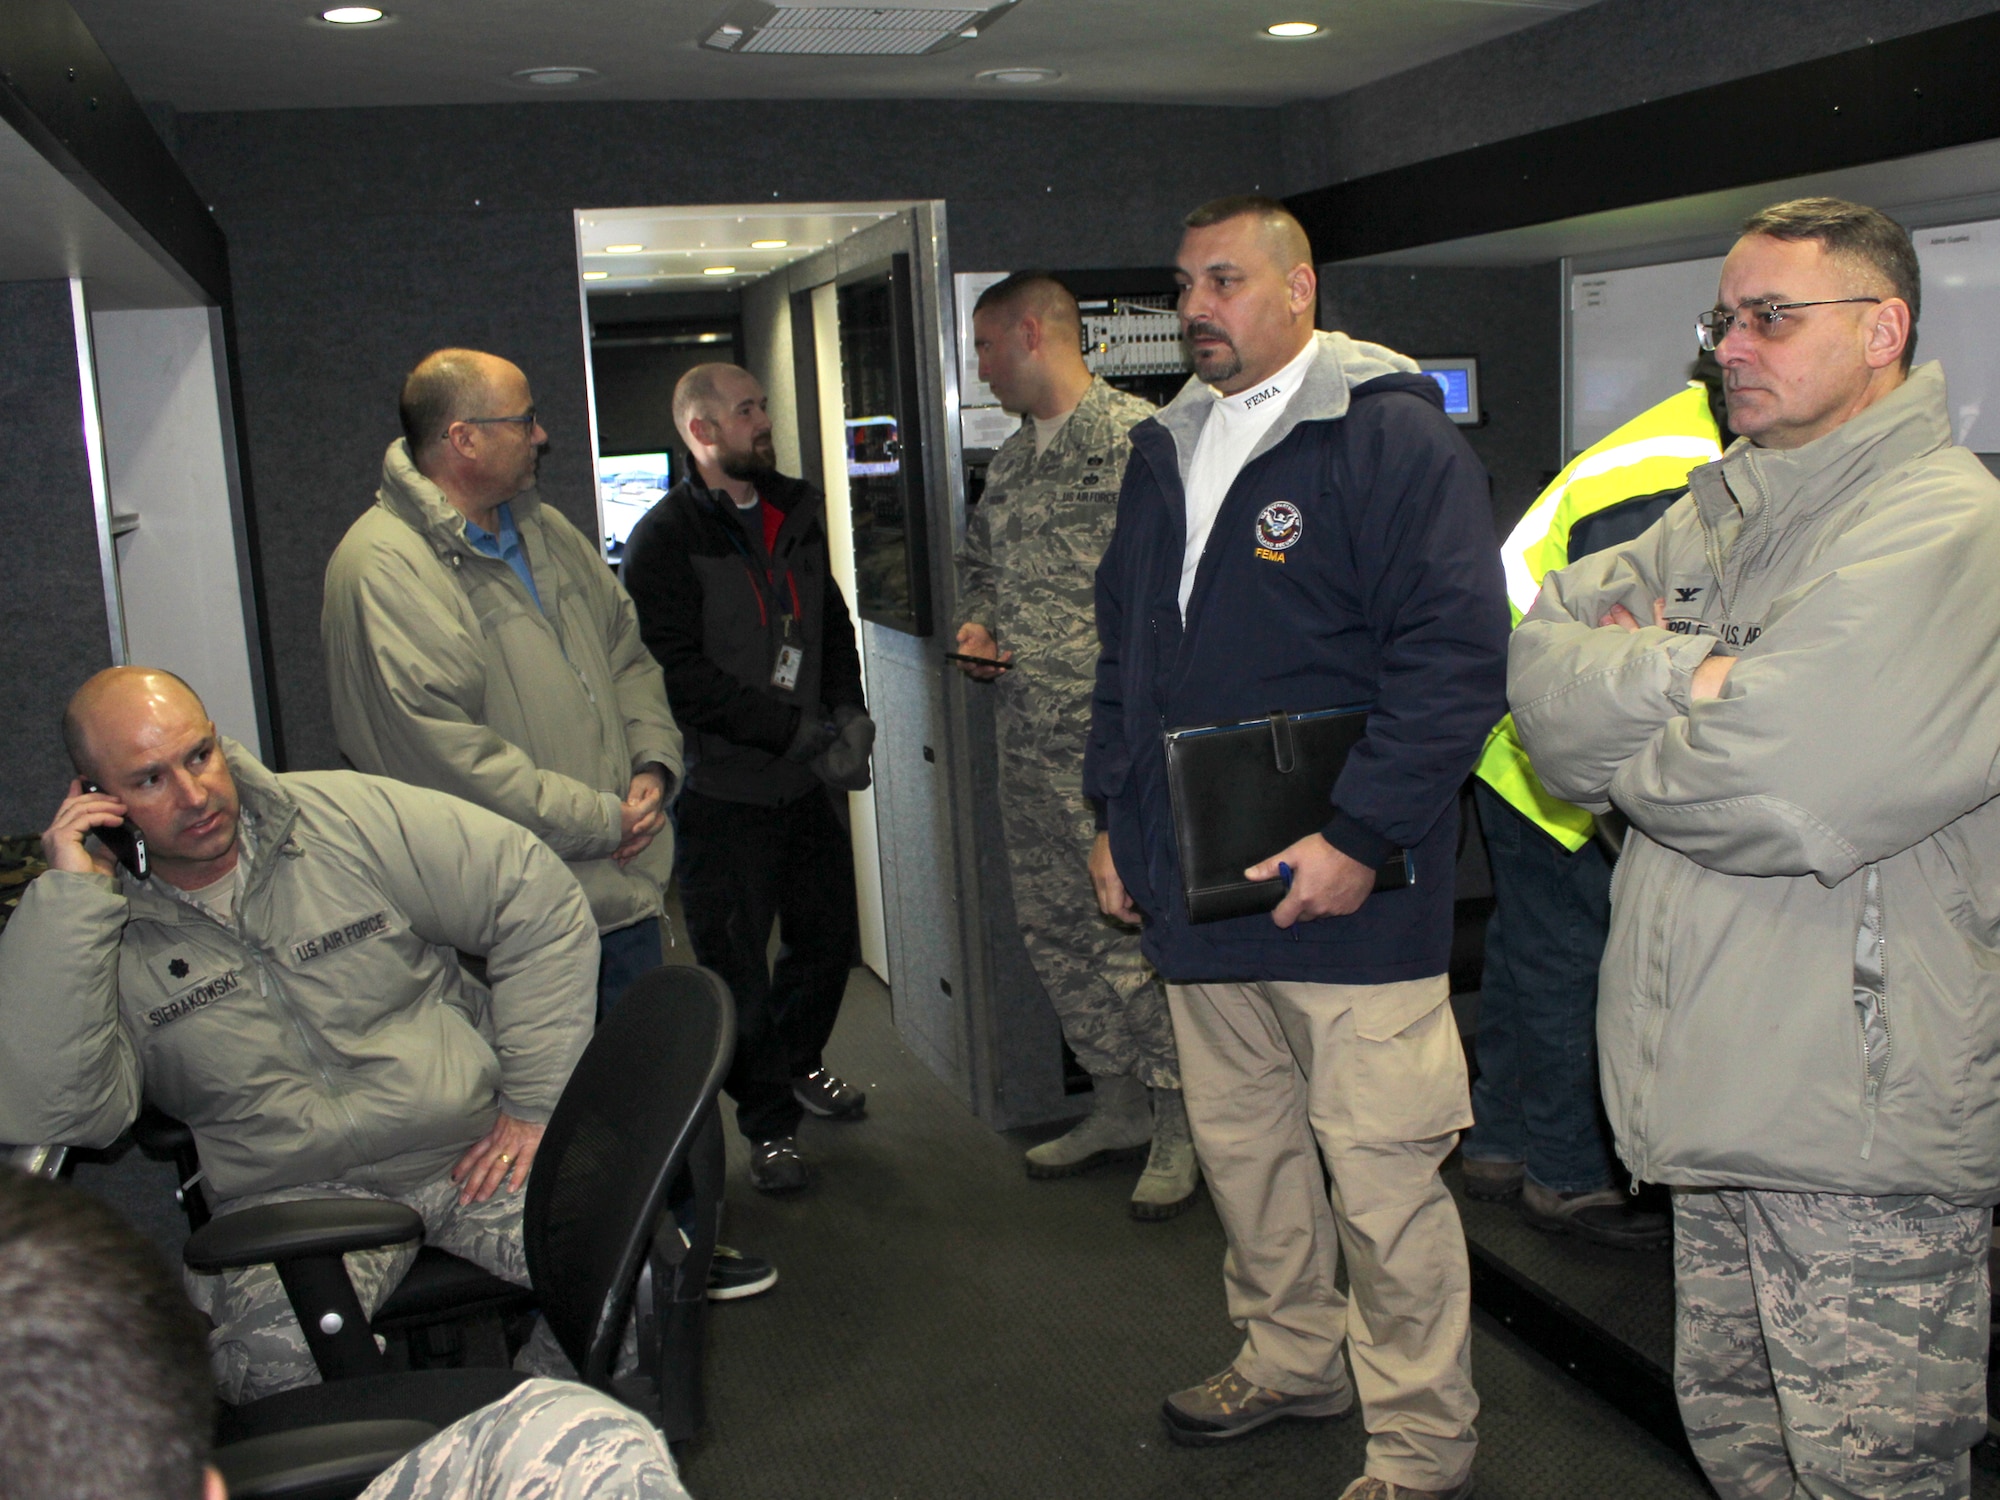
{"points": [[477, 643], [1790, 685]]}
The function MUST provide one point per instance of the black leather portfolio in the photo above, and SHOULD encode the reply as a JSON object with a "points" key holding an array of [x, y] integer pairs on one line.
{"points": [[1242, 792]]}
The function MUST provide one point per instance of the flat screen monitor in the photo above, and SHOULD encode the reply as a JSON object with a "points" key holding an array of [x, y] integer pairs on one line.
{"points": [[629, 485], [1459, 380]]}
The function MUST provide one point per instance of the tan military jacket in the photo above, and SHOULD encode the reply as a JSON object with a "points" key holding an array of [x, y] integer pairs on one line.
{"points": [[1033, 542], [444, 673], [327, 1032]]}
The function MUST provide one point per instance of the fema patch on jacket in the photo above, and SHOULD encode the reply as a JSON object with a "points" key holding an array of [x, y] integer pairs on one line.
{"points": [[1279, 525]]}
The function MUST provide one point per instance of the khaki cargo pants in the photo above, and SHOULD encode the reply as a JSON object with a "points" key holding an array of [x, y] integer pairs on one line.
{"points": [[1371, 1080]]}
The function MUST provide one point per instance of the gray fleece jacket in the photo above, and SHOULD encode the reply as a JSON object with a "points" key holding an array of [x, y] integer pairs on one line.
{"points": [[1802, 986]]}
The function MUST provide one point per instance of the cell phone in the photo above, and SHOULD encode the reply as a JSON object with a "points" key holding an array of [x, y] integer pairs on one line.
{"points": [[979, 661], [124, 840]]}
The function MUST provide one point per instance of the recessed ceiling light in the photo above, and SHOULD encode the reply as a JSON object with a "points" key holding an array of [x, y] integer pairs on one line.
{"points": [[351, 15], [1294, 29], [553, 77], [596, 275], [1017, 75], [623, 249], [718, 270], [769, 244]]}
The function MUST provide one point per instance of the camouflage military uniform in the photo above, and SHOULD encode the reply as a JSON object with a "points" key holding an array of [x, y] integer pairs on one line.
{"points": [[257, 1347], [548, 1439], [1031, 551], [1831, 1346]]}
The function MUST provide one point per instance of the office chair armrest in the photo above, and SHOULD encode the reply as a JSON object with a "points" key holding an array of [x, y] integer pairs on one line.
{"points": [[305, 1241], [338, 1458], [309, 1227]]}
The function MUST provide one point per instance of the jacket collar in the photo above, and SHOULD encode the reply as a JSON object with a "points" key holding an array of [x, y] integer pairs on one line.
{"points": [[267, 832], [795, 498], [1324, 395], [1762, 483], [407, 495]]}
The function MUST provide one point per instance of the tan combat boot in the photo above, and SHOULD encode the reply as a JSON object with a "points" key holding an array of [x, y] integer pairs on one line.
{"points": [[1117, 1128], [1167, 1185]]}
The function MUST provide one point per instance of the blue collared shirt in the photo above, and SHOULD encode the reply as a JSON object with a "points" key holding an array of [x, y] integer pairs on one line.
{"points": [[505, 547]]}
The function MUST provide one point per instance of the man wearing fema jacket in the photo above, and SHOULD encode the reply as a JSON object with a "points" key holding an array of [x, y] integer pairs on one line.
{"points": [[1303, 528]]}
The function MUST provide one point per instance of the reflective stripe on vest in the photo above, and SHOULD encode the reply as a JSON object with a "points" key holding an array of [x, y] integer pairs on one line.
{"points": [[1653, 452]]}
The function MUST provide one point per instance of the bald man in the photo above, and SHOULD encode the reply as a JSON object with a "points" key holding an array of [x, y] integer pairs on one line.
{"points": [[283, 981], [1031, 550], [477, 643], [736, 600], [1301, 529]]}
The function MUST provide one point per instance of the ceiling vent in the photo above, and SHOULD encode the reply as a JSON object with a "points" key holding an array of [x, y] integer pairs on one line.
{"points": [[900, 28]]}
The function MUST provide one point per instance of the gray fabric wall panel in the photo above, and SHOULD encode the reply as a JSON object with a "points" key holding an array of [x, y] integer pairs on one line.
{"points": [[360, 239], [1511, 319], [1611, 55], [331, 313], [53, 593]]}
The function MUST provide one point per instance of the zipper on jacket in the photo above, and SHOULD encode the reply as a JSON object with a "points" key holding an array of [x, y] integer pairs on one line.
{"points": [[1871, 1002], [1656, 1019]]}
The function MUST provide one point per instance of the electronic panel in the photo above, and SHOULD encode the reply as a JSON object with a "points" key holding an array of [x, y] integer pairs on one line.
{"points": [[1458, 378]]}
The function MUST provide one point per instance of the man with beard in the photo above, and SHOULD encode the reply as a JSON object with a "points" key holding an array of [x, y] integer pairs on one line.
{"points": [[729, 572], [477, 643]]}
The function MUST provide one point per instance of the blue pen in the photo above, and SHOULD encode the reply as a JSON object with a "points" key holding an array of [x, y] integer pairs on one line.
{"points": [[1285, 874]]}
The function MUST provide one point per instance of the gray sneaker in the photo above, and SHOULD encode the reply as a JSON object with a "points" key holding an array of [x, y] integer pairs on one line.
{"points": [[777, 1167], [1227, 1406]]}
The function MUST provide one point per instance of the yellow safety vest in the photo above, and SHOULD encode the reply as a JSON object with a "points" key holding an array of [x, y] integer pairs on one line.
{"points": [[1651, 453]]}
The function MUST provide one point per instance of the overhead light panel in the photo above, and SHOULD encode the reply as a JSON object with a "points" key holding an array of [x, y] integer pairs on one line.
{"points": [[351, 15], [1018, 77], [1293, 29], [718, 270], [769, 244], [596, 275], [890, 28], [623, 249], [553, 77]]}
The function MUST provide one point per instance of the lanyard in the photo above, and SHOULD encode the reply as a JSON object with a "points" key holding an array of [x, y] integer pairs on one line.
{"points": [[770, 579]]}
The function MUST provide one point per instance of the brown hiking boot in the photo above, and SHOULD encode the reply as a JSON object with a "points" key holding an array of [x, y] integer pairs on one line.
{"points": [[1367, 1488], [1227, 1406]]}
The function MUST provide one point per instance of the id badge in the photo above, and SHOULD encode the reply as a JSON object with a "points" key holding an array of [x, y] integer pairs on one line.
{"points": [[791, 657]]}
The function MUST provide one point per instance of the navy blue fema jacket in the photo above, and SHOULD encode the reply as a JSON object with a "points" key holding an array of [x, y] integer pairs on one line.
{"points": [[1389, 594]]}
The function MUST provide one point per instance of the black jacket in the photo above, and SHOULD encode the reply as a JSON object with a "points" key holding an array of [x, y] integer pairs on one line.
{"points": [[1353, 562], [711, 607]]}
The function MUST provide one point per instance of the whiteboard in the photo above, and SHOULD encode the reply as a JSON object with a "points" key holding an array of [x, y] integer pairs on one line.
{"points": [[1632, 337], [1632, 341]]}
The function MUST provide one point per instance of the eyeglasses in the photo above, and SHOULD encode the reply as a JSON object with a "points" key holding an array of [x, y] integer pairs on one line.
{"points": [[1713, 326], [526, 421]]}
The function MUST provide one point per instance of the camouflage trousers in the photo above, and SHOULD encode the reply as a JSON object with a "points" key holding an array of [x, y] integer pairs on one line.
{"points": [[549, 1439], [1112, 1005], [1831, 1346], [256, 1347]]}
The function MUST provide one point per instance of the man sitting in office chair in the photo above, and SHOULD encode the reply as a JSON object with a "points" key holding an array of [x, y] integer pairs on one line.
{"points": [[104, 1392], [283, 979]]}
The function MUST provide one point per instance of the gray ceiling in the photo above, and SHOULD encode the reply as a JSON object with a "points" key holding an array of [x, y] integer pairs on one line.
{"points": [[276, 54]]}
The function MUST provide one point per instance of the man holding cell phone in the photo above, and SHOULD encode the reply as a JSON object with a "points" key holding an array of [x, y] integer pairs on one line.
{"points": [[285, 983]]}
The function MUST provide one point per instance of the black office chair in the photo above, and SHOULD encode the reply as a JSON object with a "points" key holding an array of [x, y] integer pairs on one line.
{"points": [[633, 1147]]}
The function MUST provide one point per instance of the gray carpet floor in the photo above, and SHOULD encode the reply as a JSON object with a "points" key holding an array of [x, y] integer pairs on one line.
{"points": [[945, 1327]]}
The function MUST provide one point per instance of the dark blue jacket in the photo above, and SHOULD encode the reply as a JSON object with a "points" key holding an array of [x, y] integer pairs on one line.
{"points": [[1389, 594]]}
